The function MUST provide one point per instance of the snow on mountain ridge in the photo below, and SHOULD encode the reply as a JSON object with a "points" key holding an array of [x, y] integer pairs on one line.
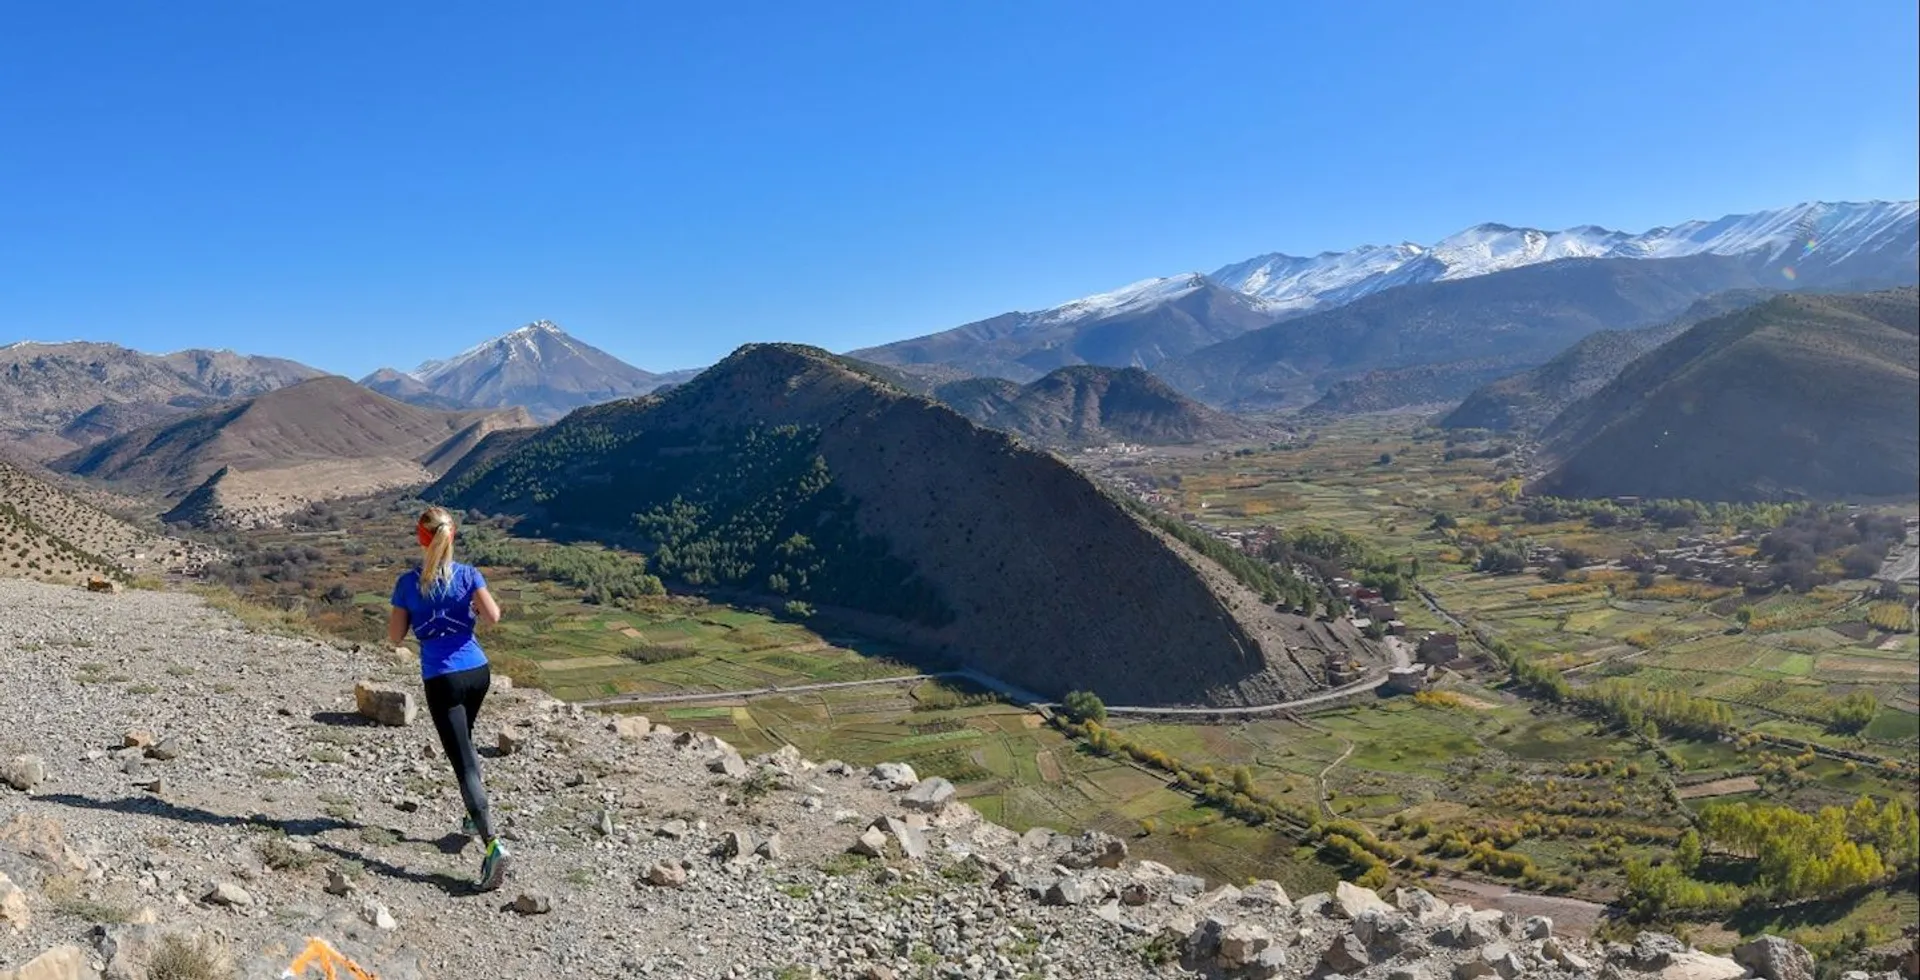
{"points": [[1826, 232], [1126, 299], [504, 347]]}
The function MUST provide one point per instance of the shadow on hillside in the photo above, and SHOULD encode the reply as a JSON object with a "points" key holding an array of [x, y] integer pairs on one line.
{"points": [[149, 806]]}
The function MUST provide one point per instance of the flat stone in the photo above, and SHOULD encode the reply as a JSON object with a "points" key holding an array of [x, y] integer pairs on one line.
{"points": [[631, 726], [387, 704], [1072, 891], [23, 772], [227, 894], [912, 842], [1536, 927], [137, 739], [59, 963], [1347, 955], [1242, 944], [872, 843], [377, 916], [929, 796], [1352, 900], [338, 883], [509, 744], [893, 776], [773, 848], [1695, 965], [533, 903], [1264, 894], [666, 875], [13, 905], [728, 763], [1775, 958]]}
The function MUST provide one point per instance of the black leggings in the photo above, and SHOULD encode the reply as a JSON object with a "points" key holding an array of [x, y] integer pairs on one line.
{"points": [[453, 700]]}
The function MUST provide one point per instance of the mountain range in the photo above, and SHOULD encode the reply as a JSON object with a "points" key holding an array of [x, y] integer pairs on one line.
{"points": [[1799, 396], [1187, 321], [55, 398], [259, 457]]}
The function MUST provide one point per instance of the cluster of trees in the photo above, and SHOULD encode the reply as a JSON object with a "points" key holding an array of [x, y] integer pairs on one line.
{"points": [[1656, 712], [1810, 855], [753, 509], [1796, 548], [1853, 713], [1791, 856], [605, 577], [295, 565], [1628, 706], [1331, 553], [1664, 513], [1275, 584]]}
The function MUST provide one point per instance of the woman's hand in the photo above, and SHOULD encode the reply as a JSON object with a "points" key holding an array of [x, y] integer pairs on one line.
{"points": [[485, 608], [396, 626]]}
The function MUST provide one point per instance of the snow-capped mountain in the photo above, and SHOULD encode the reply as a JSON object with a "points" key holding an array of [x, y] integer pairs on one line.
{"points": [[538, 367], [1139, 325], [1817, 239]]}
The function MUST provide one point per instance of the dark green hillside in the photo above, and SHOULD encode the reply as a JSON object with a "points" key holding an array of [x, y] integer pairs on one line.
{"points": [[750, 508], [1801, 396]]}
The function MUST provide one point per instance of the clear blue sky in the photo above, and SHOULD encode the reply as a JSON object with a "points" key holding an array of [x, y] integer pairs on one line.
{"points": [[355, 184]]}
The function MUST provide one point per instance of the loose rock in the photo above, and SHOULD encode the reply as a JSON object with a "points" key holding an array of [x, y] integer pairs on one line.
{"points": [[384, 703]]}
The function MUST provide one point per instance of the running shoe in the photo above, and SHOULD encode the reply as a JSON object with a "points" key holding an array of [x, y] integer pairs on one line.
{"points": [[493, 870]]}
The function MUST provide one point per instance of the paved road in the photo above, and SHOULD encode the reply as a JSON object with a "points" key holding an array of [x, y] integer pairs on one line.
{"points": [[1011, 692]]}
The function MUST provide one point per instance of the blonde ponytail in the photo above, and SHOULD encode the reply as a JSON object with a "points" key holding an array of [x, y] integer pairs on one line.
{"points": [[436, 565]]}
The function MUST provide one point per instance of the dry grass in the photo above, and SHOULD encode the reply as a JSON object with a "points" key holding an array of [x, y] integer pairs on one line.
{"points": [[255, 616], [201, 956]]}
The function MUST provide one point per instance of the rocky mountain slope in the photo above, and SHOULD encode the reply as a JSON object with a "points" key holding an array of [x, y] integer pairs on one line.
{"points": [[317, 439], [1137, 326], [1461, 328], [57, 397], [216, 826], [1530, 399], [55, 532], [787, 472], [1799, 396], [1087, 405], [402, 387], [538, 367]]}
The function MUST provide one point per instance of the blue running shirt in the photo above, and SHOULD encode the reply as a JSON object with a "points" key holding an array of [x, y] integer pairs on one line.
{"points": [[443, 620]]}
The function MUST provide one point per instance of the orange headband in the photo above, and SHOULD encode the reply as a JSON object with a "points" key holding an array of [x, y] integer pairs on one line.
{"points": [[425, 533]]}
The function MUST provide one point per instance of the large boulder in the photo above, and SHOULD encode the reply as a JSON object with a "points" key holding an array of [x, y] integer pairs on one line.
{"points": [[928, 796], [1774, 958], [1351, 900], [1095, 849], [23, 772], [893, 776], [387, 704], [59, 963], [13, 905]]}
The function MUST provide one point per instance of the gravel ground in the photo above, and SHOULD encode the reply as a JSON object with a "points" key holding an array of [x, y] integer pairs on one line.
{"points": [[255, 809]]}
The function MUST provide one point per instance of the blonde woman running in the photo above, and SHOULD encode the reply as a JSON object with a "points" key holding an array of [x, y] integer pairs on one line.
{"points": [[441, 601]]}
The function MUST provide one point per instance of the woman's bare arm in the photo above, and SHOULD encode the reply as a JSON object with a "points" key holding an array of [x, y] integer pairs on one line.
{"points": [[483, 604], [396, 625]]}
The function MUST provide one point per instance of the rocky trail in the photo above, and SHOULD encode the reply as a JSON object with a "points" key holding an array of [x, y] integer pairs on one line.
{"points": [[182, 799]]}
